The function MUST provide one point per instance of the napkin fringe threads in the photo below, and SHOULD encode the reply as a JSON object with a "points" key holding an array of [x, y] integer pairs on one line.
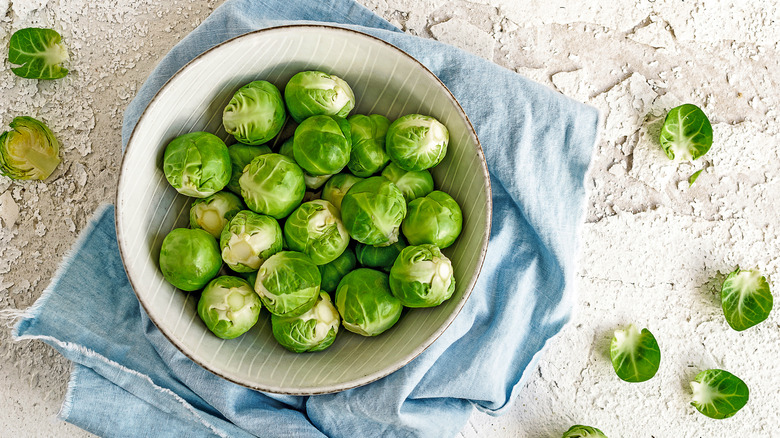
{"points": [[20, 317]]}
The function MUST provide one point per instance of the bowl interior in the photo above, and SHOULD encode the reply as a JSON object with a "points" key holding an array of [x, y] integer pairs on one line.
{"points": [[385, 81]]}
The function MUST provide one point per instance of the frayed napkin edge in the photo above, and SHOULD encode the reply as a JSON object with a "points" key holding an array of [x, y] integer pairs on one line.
{"points": [[17, 317]]}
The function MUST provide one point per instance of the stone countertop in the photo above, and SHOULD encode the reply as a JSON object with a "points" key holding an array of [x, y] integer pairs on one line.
{"points": [[654, 249]]}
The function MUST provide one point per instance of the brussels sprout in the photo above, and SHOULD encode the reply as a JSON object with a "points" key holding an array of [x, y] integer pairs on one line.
{"points": [[372, 211], [315, 182], [322, 145], [635, 356], [579, 431], [413, 185], [272, 184], [287, 148], [422, 276], [197, 164], [251, 277], [746, 299], [686, 133], [334, 271], [39, 52], [241, 155], [314, 330], [189, 258], [229, 306], [381, 257], [719, 394], [368, 144], [29, 151], [315, 229], [213, 213], [434, 219], [338, 186], [288, 283], [249, 239], [255, 114], [365, 303], [312, 182], [311, 93], [416, 142]]}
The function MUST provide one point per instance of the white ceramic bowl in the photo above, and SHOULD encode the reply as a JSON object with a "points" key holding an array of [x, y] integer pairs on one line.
{"points": [[385, 81]]}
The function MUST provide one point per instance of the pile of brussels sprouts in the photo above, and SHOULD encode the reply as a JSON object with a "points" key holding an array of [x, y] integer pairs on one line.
{"points": [[365, 243]]}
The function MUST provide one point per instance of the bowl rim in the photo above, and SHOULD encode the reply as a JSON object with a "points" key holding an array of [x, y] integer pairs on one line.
{"points": [[400, 363]]}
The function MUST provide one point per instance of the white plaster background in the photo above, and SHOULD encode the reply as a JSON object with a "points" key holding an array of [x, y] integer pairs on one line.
{"points": [[653, 249]]}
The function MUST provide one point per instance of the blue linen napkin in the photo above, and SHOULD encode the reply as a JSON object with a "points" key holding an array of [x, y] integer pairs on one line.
{"points": [[129, 381]]}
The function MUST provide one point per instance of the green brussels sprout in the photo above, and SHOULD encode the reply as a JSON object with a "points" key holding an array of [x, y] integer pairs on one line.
{"points": [[241, 155], [635, 355], [334, 271], [311, 93], [379, 257], [315, 182], [40, 54], [312, 182], [315, 330], [287, 148], [686, 133], [315, 229], [412, 184], [422, 276], [29, 151], [288, 283], [322, 145], [248, 240], [189, 258], [213, 213], [251, 277], [229, 306], [337, 186], [416, 142], [746, 299], [368, 144], [255, 114], [372, 211], [579, 431], [434, 219], [197, 164], [272, 184], [365, 303], [719, 394]]}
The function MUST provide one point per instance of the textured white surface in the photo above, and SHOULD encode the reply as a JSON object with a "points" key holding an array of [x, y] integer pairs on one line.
{"points": [[653, 248]]}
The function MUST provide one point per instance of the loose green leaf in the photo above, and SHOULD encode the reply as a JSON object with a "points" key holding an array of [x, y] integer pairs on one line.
{"points": [[692, 178], [746, 299], [635, 355], [686, 133], [579, 431], [40, 53], [718, 394]]}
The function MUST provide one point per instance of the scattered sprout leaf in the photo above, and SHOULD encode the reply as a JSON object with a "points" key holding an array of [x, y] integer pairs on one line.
{"points": [[635, 355], [39, 52], [579, 431], [692, 179], [718, 394], [686, 133], [746, 299]]}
